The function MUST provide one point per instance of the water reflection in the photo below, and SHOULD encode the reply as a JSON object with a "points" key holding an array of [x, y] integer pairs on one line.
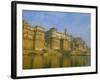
{"points": [[54, 61]]}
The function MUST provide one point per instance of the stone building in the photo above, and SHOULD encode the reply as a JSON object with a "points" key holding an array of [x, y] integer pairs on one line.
{"points": [[57, 40], [28, 36], [33, 37], [36, 38], [55, 47], [39, 38]]}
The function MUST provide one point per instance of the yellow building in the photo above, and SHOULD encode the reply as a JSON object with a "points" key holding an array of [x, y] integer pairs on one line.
{"points": [[43, 49], [33, 37], [57, 40], [39, 38]]}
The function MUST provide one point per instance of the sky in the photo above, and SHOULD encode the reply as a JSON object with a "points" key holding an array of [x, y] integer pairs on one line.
{"points": [[77, 24]]}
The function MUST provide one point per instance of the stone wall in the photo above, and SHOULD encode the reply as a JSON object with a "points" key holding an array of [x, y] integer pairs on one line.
{"points": [[39, 39], [28, 36], [33, 38], [49, 49], [57, 40], [55, 43]]}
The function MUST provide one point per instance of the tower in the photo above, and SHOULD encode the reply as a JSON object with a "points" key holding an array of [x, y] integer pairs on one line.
{"points": [[65, 32]]}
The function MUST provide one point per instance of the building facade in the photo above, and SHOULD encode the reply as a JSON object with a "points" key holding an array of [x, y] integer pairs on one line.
{"points": [[36, 38], [50, 48], [57, 40], [33, 37]]}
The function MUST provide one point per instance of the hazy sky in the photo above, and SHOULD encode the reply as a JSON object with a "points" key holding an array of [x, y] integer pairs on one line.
{"points": [[77, 24]]}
